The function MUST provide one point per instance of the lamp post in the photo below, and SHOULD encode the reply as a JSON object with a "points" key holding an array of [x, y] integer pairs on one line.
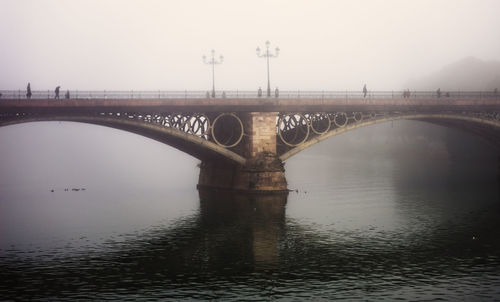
{"points": [[213, 62], [268, 55]]}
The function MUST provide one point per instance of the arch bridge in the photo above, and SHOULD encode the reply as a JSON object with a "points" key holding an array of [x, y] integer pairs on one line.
{"points": [[242, 140]]}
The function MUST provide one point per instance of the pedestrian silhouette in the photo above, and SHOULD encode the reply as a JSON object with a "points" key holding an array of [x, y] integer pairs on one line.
{"points": [[438, 92], [276, 92], [67, 94], [57, 92], [223, 94], [364, 91], [259, 92], [28, 91], [406, 93]]}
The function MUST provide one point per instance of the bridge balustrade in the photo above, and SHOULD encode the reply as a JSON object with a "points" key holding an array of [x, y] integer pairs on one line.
{"points": [[244, 94]]}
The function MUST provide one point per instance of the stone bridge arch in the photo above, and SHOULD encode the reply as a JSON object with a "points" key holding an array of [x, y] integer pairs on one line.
{"points": [[485, 125], [193, 145]]}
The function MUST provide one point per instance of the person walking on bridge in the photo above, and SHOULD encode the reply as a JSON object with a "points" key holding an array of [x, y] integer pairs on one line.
{"points": [[406, 93], [438, 92], [57, 92], [28, 91], [364, 91]]}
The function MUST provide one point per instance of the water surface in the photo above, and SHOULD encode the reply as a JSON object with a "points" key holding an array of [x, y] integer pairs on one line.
{"points": [[394, 211]]}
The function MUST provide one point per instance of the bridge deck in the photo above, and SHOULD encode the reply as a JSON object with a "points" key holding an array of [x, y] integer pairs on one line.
{"points": [[252, 104]]}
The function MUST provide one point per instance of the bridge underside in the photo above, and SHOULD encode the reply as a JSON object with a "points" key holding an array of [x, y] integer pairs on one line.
{"points": [[484, 125], [190, 144], [488, 132]]}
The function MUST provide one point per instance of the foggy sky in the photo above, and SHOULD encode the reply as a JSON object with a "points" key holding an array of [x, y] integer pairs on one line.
{"points": [[325, 45]]}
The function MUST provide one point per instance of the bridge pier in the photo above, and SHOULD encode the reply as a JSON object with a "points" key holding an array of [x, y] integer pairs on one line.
{"points": [[263, 171], [262, 174]]}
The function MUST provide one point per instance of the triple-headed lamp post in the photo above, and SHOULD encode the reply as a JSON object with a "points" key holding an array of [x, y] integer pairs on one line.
{"points": [[213, 62], [268, 55]]}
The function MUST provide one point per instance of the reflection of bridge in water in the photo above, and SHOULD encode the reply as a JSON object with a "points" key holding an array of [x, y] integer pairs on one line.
{"points": [[241, 239], [242, 140]]}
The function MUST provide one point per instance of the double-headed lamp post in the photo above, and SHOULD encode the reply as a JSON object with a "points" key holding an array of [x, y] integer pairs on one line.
{"points": [[213, 62], [268, 55]]}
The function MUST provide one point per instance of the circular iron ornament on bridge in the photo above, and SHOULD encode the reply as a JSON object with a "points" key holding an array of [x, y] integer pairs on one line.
{"points": [[357, 116], [293, 129], [340, 119], [320, 123], [227, 130]]}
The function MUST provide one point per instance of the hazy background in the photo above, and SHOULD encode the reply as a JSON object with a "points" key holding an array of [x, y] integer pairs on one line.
{"points": [[325, 45]]}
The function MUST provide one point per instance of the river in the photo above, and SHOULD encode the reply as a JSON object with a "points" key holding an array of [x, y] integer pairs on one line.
{"points": [[397, 211]]}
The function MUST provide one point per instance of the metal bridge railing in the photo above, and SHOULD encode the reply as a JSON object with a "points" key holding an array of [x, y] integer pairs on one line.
{"points": [[244, 94]]}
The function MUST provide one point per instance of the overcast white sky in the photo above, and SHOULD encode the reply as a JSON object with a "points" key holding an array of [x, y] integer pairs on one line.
{"points": [[325, 45]]}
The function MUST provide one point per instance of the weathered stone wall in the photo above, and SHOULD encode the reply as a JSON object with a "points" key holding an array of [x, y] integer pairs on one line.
{"points": [[262, 133], [263, 173], [217, 174]]}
